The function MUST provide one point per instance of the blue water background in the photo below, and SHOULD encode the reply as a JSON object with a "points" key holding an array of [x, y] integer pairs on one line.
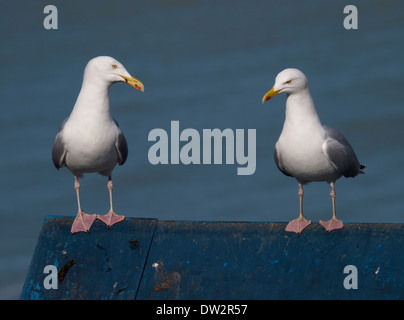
{"points": [[206, 64]]}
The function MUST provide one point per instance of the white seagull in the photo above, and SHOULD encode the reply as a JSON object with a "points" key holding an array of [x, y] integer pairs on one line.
{"points": [[307, 150], [90, 140]]}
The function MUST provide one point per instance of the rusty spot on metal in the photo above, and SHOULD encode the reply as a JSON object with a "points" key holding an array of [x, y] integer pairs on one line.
{"points": [[121, 290], [134, 244], [166, 280], [62, 273], [161, 286]]}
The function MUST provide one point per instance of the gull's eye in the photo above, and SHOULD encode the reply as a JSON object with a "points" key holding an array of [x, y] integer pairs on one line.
{"points": [[114, 66], [289, 82]]}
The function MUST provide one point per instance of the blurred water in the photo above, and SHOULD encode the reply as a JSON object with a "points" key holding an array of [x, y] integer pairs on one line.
{"points": [[206, 64]]}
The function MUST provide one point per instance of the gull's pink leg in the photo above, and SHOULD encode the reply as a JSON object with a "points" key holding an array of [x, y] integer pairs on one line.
{"points": [[297, 225], [334, 223], [111, 217], [83, 221]]}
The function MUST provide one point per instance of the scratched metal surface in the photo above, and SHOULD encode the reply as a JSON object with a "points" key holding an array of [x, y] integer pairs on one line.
{"points": [[218, 260], [103, 264]]}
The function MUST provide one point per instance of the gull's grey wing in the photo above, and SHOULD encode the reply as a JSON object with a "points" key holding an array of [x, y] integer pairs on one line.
{"points": [[341, 154], [121, 146], [278, 161], [58, 149]]}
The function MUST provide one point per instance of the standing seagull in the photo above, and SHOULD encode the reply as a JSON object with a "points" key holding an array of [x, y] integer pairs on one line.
{"points": [[90, 140], [307, 150]]}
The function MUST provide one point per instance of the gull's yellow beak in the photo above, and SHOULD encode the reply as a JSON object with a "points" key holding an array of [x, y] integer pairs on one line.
{"points": [[135, 83], [270, 94]]}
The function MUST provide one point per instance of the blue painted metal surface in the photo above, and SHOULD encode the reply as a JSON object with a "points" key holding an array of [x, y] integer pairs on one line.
{"points": [[151, 259], [102, 264]]}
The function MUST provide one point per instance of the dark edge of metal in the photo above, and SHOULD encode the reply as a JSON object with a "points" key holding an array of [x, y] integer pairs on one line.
{"points": [[146, 258]]}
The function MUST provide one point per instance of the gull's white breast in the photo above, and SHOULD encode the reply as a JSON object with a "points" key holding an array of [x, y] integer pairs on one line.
{"points": [[302, 155], [90, 144]]}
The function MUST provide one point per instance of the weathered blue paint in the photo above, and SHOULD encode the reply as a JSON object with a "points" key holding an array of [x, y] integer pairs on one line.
{"points": [[218, 260], [109, 261]]}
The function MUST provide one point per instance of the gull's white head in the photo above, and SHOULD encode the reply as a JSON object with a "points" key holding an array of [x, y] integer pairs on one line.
{"points": [[289, 81], [108, 70]]}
